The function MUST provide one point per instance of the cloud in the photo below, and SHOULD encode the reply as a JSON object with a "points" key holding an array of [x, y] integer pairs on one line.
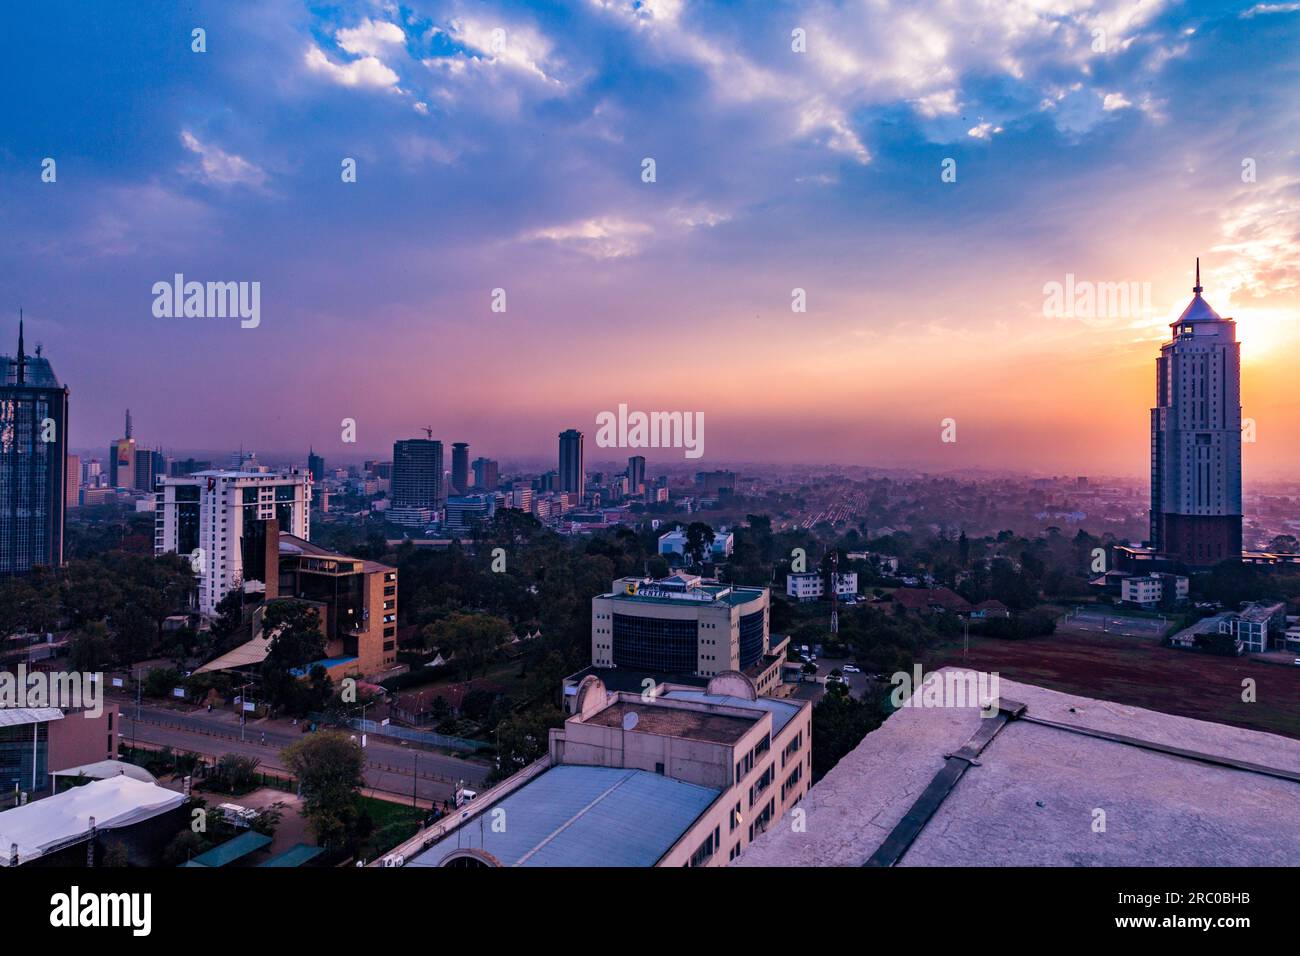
{"points": [[369, 72], [1263, 9], [371, 38], [984, 130], [219, 168], [1114, 101], [517, 46], [1259, 234], [608, 237]]}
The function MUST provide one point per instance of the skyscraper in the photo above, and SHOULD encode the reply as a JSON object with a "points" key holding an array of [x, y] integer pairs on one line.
{"points": [[149, 465], [635, 474], [459, 468], [121, 459], [1196, 439], [33, 460], [417, 473], [572, 477], [487, 474], [315, 466]]}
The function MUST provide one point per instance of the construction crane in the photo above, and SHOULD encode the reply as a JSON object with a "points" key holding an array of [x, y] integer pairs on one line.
{"points": [[428, 431]]}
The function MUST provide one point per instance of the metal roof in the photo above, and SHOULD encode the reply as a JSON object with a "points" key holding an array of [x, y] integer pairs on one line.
{"points": [[782, 711], [14, 716], [582, 816], [296, 855], [231, 850], [1198, 310]]}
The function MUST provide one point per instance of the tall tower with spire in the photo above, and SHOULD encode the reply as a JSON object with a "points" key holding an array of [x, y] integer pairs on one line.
{"points": [[33, 462], [122, 458], [1196, 438]]}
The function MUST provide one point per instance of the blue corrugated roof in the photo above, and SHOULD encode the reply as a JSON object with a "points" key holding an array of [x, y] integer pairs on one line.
{"points": [[231, 850], [782, 711], [581, 816], [326, 663], [296, 855]]}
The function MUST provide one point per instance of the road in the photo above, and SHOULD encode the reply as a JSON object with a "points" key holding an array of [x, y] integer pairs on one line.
{"points": [[389, 765]]}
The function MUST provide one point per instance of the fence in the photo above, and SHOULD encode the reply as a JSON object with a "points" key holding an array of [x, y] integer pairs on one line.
{"points": [[414, 736]]}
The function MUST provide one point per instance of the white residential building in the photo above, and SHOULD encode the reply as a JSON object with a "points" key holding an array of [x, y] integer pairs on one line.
{"points": [[674, 542], [205, 517], [1149, 590], [811, 585]]}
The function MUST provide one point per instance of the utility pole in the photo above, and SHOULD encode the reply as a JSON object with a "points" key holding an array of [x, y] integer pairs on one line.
{"points": [[834, 581], [136, 723]]}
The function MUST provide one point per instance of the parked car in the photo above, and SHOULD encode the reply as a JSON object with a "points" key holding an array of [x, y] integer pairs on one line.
{"points": [[852, 669]]}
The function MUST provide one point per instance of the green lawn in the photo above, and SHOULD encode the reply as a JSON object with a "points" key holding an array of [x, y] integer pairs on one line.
{"points": [[393, 823]]}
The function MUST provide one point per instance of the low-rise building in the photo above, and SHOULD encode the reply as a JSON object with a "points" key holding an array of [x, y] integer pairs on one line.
{"points": [[36, 742], [1150, 590], [811, 585], [355, 600], [685, 624], [721, 548], [679, 776]]}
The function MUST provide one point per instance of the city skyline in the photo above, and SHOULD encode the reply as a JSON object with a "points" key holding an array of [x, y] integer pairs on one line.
{"points": [[518, 165]]}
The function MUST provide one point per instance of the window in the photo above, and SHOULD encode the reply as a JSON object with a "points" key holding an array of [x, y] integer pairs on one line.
{"points": [[646, 643]]}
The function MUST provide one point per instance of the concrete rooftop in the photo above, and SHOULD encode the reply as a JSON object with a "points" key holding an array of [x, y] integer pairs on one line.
{"points": [[1031, 798], [669, 721]]}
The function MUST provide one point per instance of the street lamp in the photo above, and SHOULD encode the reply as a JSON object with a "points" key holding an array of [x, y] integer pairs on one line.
{"points": [[242, 720]]}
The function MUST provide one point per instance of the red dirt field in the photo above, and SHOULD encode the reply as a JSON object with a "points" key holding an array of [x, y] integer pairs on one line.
{"points": [[1141, 673]]}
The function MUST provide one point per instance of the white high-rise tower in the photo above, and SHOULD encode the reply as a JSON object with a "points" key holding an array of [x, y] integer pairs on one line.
{"points": [[1196, 439]]}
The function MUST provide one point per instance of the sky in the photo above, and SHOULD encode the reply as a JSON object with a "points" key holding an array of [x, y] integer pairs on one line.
{"points": [[922, 170]]}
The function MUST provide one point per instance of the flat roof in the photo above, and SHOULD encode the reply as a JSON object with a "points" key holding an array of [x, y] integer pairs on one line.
{"points": [[582, 816], [733, 598], [665, 721], [782, 711], [1031, 796]]}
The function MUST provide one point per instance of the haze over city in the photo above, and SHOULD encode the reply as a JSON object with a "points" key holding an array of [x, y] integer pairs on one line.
{"points": [[520, 168]]}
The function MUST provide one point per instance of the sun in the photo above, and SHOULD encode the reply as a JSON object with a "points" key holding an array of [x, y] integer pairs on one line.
{"points": [[1265, 334]]}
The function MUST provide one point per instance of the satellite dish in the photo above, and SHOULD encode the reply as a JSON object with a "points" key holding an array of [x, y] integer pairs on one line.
{"points": [[630, 720]]}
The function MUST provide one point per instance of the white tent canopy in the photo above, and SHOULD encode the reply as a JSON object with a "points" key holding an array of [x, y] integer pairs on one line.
{"points": [[47, 825], [105, 769]]}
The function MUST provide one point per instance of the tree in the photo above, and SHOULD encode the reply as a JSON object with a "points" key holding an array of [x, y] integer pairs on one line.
{"points": [[839, 722], [699, 540], [523, 738], [236, 773], [329, 767], [296, 643], [90, 650], [472, 638], [1286, 543]]}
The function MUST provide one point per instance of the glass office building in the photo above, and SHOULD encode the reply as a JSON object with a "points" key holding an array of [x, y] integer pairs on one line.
{"points": [[33, 463]]}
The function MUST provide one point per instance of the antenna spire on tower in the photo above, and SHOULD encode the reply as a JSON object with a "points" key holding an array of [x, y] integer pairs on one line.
{"points": [[1197, 288]]}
